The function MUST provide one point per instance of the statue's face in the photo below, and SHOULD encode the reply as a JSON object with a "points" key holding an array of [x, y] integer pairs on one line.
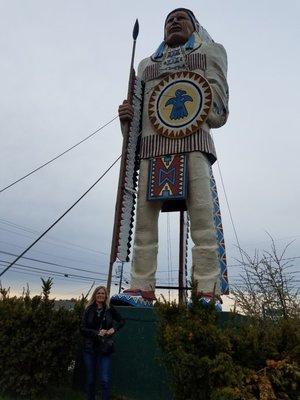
{"points": [[178, 28]]}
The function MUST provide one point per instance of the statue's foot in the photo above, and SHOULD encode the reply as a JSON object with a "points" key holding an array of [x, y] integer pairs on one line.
{"points": [[146, 294], [134, 298], [206, 298]]}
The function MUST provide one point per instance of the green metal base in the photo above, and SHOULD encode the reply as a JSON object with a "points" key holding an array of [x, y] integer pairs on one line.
{"points": [[137, 372]]}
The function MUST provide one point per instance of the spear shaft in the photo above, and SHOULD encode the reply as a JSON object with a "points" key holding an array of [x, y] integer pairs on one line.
{"points": [[125, 131]]}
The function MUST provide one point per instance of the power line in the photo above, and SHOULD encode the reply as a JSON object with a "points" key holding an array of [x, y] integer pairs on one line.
{"points": [[21, 271], [52, 263], [229, 210], [230, 214], [56, 157], [54, 272], [72, 279], [47, 254], [271, 261], [61, 217], [47, 241], [26, 229]]}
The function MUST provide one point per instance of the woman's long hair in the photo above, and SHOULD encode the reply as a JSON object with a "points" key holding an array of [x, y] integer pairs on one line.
{"points": [[93, 297]]}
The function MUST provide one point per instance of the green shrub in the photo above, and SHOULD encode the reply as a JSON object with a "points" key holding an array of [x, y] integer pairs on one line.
{"points": [[247, 359], [37, 343], [252, 357]]}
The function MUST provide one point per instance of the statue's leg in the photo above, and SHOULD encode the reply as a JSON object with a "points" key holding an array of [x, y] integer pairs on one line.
{"points": [[144, 261], [203, 232]]}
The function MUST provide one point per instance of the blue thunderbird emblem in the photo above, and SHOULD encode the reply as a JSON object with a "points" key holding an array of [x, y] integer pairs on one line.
{"points": [[179, 109]]}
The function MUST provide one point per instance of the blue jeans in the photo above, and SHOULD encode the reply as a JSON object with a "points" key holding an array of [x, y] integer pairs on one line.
{"points": [[97, 367]]}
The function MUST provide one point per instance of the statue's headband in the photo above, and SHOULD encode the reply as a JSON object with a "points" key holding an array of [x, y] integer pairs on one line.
{"points": [[189, 13]]}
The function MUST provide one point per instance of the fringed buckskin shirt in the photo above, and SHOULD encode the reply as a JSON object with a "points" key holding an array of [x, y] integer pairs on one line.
{"points": [[208, 59]]}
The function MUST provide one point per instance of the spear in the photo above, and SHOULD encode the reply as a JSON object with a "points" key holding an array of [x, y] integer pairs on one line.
{"points": [[121, 186], [135, 33]]}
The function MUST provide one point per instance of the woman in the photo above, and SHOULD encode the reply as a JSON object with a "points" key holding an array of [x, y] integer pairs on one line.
{"points": [[100, 322]]}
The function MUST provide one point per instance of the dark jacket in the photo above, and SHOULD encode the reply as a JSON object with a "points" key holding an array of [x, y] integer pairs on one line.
{"points": [[94, 320]]}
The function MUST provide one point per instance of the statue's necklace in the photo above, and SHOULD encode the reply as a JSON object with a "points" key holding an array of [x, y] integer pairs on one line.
{"points": [[173, 59]]}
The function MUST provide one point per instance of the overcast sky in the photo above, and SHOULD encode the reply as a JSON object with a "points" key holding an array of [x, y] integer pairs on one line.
{"points": [[64, 71]]}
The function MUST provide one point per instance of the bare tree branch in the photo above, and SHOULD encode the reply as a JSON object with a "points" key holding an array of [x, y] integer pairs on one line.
{"points": [[267, 289]]}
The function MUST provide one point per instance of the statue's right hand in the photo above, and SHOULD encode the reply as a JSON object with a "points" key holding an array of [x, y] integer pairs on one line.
{"points": [[125, 112]]}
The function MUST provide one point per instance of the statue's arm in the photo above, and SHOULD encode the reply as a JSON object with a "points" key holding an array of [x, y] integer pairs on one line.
{"points": [[216, 74], [142, 66]]}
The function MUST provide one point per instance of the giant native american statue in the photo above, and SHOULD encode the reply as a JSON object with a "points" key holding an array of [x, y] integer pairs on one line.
{"points": [[178, 95]]}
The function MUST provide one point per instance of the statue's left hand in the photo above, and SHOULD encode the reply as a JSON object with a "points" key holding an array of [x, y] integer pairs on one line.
{"points": [[125, 112]]}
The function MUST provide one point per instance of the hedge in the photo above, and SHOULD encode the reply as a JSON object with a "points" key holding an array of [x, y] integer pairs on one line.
{"points": [[248, 359], [37, 344]]}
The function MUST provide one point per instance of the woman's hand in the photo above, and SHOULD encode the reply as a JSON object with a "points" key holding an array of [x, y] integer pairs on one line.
{"points": [[102, 332], [110, 332]]}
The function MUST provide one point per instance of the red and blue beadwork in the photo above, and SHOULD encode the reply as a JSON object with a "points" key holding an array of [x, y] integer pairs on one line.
{"points": [[167, 178]]}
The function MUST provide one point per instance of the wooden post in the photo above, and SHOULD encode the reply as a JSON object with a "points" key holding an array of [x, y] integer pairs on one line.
{"points": [[125, 131], [181, 258], [121, 277]]}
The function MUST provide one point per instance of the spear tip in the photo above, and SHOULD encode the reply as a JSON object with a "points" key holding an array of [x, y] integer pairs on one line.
{"points": [[135, 30]]}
